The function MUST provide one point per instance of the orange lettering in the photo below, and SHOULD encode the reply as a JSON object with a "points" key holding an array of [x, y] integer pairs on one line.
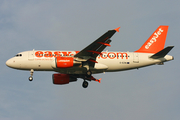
{"points": [[57, 54], [66, 53], [48, 54], [126, 55], [39, 54], [72, 54], [111, 57], [103, 56]]}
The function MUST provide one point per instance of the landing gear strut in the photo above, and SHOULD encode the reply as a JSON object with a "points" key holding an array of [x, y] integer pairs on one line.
{"points": [[31, 77], [85, 84], [87, 77], [88, 73]]}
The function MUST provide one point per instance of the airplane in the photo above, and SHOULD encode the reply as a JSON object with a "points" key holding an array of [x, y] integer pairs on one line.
{"points": [[71, 65]]}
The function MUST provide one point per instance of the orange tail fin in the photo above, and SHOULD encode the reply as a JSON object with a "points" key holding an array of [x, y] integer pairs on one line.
{"points": [[156, 41]]}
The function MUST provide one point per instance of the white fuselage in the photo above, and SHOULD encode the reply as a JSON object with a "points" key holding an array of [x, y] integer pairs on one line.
{"points": [[107, 62]]}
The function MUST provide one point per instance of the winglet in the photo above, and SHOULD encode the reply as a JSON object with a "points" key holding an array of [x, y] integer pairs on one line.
{"points": [[117, 29]]}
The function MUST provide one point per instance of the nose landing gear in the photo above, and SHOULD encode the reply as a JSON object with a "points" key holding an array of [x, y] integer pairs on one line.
{"points": [[31, 77]]}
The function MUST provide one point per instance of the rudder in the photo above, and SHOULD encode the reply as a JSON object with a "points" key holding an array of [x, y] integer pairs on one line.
{"points": [[156, 41]]}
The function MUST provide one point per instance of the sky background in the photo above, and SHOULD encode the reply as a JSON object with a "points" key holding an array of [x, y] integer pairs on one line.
{"points": [[150, 93]]}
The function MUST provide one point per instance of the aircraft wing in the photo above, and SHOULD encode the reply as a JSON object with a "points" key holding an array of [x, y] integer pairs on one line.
{"points": [[95, 48]]}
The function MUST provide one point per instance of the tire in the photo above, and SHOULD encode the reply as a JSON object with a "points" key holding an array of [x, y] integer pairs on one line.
{"points": [[30, 78], [85, 84]]}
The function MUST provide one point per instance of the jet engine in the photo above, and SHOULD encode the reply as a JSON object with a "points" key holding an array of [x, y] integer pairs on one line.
{"points": [[60, 79], [64, 62]]}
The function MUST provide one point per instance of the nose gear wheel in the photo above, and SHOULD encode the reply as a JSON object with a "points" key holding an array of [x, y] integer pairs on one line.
{"points": [[30, 78]]}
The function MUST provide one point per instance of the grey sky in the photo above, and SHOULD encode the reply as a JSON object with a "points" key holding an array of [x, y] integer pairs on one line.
{"points": [[150, 93]]}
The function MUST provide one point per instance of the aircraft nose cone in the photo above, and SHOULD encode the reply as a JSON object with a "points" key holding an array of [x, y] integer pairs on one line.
{"points": [[8, 62]]}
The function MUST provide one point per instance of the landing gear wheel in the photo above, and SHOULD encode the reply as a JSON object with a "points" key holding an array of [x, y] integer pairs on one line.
{"points": [[30, 78], [88, 73], [85, 84]]}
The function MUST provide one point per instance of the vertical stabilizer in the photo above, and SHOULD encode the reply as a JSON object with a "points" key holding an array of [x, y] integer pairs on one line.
{"points": [[156, 41]]}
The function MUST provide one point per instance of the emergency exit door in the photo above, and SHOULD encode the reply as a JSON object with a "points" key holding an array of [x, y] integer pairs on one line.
{"points": [[136, 58], [31, 55]]}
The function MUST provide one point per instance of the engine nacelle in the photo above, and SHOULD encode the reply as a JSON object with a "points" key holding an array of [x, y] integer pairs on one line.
{"points": [[60, 79], [64, 62]]}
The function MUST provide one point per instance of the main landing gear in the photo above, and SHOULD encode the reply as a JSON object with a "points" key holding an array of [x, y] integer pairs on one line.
{"points": [[31, 77], [88, 76], [88, 73], [85, 84]]}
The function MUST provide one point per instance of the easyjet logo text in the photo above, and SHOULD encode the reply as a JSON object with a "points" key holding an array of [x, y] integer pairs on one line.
{"points": [[40, 54], [154, 38], [104, 55], [113, 55]]}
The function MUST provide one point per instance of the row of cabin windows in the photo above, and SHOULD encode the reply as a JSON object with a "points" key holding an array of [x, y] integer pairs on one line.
{"points": [[51, 55], [71, 55], [114, 56]]}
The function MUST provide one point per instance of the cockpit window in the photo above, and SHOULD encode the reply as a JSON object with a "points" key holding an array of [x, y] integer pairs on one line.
{"points": [[18, 55]]}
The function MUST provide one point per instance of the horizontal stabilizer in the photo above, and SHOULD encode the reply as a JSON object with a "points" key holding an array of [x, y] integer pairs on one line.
{"points": [[162, 53]]}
